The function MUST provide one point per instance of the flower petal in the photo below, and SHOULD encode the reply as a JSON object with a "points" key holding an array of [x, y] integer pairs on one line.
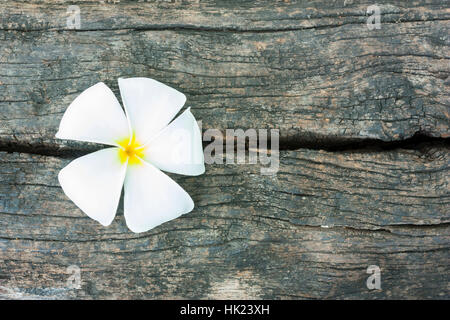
{"points": [[152, 198], [178, 147], [94, 183], [150, 105], [94, 116]]}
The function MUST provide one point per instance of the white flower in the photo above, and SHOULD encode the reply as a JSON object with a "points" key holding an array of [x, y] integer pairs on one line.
{"points": [[144, 142]]}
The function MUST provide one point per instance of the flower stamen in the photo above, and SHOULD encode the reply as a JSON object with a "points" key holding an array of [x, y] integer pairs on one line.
{"points": [[130, 150]]}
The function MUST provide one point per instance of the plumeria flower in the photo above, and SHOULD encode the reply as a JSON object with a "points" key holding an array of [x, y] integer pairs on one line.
{"points": [[144, 142]]}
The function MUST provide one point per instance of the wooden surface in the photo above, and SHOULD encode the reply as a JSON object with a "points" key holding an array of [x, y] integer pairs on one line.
{"points": [[364, 168]]}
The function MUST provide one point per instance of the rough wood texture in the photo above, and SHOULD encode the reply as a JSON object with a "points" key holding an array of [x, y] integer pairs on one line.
{"points": [[311, 231], [309, 68], [313, 71]]}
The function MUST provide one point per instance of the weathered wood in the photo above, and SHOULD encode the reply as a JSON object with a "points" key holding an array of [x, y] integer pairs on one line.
{"points": [[259, 15], [311, 69], [310, 231]]}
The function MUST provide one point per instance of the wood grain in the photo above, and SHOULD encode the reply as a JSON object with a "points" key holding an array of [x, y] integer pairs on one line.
{"points": [[310, 231], [312, 70]]}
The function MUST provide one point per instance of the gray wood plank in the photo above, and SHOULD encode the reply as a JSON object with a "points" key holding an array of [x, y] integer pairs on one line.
{"points": [[323, 78], [259, 15], [310, 231]]}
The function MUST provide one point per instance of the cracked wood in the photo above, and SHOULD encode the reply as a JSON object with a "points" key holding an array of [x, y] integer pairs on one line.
{"points": [[310, 231], [309, 68], [316, 74]]}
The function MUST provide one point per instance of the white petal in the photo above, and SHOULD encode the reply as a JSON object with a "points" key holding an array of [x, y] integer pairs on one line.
{"points": [[94, 116], [178, 147], [152, 198], [94, 183], [150, 105]]}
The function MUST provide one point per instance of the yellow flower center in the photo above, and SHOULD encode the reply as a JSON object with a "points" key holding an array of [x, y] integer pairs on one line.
{"points": [[130, 150]]}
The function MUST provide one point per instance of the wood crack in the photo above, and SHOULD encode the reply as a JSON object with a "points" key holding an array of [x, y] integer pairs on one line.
{"points": [[418, 142]]}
